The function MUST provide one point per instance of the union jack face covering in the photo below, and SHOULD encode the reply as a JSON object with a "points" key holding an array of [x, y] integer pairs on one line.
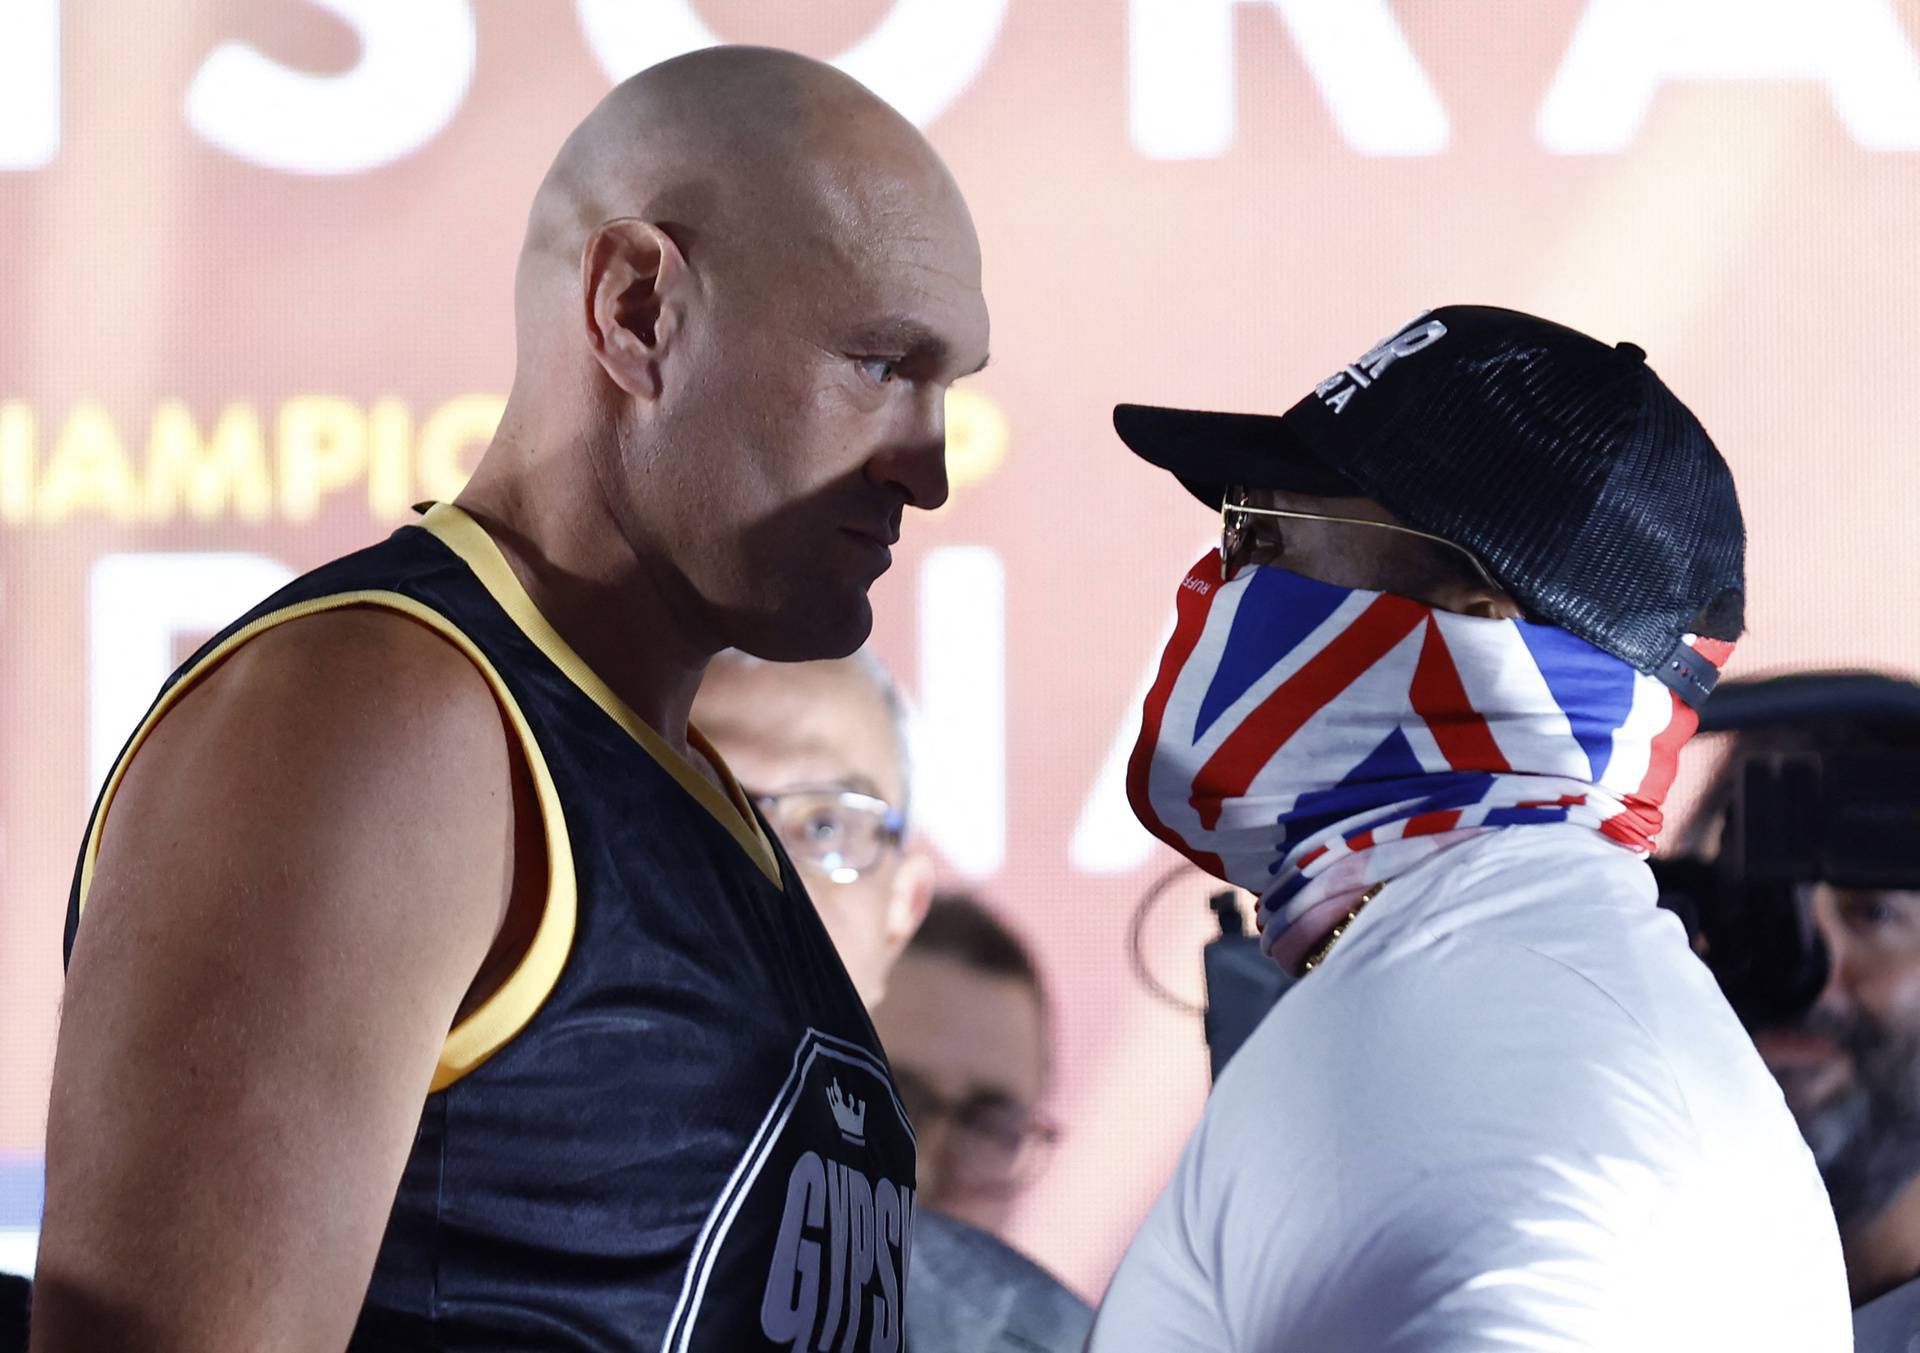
{"points": [[1306, 741]]}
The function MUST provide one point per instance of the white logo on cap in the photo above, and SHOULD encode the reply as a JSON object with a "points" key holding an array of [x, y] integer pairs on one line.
{"points": [[1343, 384]]}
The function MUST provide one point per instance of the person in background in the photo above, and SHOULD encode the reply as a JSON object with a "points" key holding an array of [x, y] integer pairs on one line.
{"points": [[822, 749], [966, 1032], [1850, 1066]]}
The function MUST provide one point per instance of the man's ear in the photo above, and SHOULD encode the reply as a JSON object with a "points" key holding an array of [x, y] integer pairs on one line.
{"points": [[633, 279], [908, 901], [1456, 586], [1476, 599]]}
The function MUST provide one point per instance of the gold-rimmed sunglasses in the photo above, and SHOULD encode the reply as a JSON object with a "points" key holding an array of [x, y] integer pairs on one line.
{"points": [[1236, 534]]}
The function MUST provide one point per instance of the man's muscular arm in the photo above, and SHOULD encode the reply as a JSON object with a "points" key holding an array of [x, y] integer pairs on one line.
{"points": [[298, 879]]}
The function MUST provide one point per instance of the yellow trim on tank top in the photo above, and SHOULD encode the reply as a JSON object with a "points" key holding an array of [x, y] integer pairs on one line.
{"points": [[468, 539], [495, 1022]]}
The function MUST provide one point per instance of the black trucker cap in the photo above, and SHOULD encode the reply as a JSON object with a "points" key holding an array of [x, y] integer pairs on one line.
{"points": [[1567, 466]]}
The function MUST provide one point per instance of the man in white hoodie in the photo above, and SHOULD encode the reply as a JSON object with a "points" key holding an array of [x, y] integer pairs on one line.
{"points": [[1425, 702]]}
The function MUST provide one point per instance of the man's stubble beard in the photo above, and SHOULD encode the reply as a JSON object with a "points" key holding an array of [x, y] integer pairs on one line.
{"points": [[1866, 1140]]}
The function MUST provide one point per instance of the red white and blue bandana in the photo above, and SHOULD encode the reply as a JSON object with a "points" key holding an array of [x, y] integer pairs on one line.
{"points": [[1305, 741]]}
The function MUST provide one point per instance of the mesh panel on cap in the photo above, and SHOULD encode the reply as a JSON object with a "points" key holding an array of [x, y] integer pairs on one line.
{"points": [[1590, 491]]}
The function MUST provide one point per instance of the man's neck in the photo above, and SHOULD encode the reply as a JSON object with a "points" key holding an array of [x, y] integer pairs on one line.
{"points": [[1884, 1251], [581, 574]]}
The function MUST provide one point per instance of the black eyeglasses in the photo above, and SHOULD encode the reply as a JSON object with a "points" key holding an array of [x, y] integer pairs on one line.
{"points": [[996, 1145], [842, 831]]}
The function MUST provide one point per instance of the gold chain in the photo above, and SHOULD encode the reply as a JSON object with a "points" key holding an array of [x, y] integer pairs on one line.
{"points": [[1319, 956]]}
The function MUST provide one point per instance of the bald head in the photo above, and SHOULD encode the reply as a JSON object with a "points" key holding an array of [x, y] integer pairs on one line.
{"points": [[746, 286], [754, 160]]}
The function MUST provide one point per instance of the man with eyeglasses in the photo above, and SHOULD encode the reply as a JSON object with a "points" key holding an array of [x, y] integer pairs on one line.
{"points": [[1425, 703], [822, 749], [966, 1028]]}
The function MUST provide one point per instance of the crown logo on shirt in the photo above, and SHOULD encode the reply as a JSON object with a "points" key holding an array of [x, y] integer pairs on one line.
{"points": [[849, 1113]]}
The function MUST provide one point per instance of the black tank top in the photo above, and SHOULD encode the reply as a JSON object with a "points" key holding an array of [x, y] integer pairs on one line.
{"points": [[671, 1128]]}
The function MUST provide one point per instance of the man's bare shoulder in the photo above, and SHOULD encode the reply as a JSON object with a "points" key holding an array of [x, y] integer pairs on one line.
{"points": [[336, 743], [361, 687], [378, 663], [297, 880]]}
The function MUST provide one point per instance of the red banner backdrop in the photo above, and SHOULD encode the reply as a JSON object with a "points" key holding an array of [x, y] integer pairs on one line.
{"points": [[256, 278]]}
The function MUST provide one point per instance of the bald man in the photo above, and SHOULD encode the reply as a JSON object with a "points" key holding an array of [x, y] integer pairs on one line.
{"points": [[431, 982]]}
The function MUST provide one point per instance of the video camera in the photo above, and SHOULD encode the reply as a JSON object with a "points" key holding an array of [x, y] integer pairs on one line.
{"points": [[1833, 796], [1845, 812]]}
